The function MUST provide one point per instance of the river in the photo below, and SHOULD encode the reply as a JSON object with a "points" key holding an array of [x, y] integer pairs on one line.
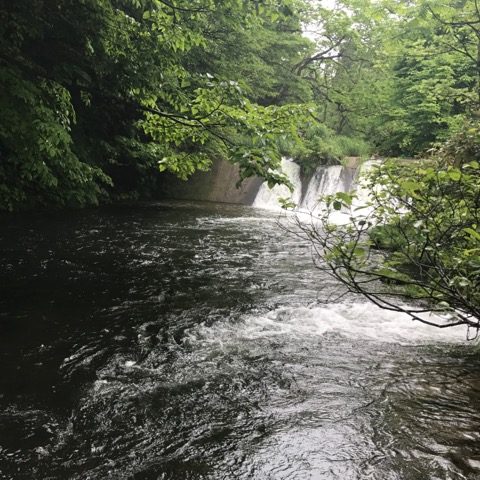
{"points": [[197, 341]]}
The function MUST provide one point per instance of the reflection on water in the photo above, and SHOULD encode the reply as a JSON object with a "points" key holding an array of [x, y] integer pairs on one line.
{"points": [[182, 341]]}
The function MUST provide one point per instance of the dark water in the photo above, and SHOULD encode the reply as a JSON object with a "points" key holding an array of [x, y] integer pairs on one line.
{"points": [[194, 342]]}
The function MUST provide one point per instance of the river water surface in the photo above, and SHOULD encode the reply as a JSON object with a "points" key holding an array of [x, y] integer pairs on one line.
{"points": [[197, 341]]}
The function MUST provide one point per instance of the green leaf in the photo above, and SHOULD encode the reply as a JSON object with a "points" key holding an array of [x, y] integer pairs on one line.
{"points": [[473, 233], [359, 252], [346, 198], [455, 175]]}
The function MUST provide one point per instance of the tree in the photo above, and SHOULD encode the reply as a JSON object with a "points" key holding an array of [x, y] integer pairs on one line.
{"points": [[414, 246], [401, 75], [96, 95], [350, 77], [433, 52], [342, 67]]}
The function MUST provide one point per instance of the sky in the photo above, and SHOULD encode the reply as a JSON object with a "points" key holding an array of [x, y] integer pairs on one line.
{"points": [[311, 31]]}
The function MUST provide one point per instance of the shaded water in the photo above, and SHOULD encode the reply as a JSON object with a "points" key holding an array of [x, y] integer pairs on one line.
{"points": [[186, 341]]}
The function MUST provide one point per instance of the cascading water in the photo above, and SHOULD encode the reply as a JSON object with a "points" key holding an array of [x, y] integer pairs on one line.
{"points": [[269, 198], [326, 180]]}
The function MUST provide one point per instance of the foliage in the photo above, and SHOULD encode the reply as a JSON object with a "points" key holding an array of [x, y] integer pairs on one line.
{"points": [[97, 94], [433, 58], [400, 75], [349, 71], [463, 146], [319, 145], [36, 150], [425, 218]]}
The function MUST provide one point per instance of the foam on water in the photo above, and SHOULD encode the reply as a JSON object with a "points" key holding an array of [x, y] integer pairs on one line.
{"points": [[352, 320]]}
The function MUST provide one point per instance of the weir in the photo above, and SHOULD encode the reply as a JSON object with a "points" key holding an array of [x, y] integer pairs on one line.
{"points": [[221, 184], [325, 180]]}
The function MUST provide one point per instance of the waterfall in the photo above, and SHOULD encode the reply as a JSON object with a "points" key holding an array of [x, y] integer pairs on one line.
{"points": [[363, 193], [326, 180], [268, 198], [220, 184]]}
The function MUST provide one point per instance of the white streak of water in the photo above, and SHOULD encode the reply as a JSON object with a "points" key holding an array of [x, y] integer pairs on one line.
{"points": [[268, 198], [356, 321]]}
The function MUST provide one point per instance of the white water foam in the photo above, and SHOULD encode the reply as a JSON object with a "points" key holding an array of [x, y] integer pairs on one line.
{"points": [[351, 320], [330, 180]]}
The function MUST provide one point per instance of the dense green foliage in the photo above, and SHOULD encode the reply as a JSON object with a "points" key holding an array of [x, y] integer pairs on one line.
{"points": [[98, 96], [320, 145], [95, 93], [401, 75], [435, 74]]}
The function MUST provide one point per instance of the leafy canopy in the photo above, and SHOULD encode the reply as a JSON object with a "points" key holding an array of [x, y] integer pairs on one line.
{"points": [[96, 94]]}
